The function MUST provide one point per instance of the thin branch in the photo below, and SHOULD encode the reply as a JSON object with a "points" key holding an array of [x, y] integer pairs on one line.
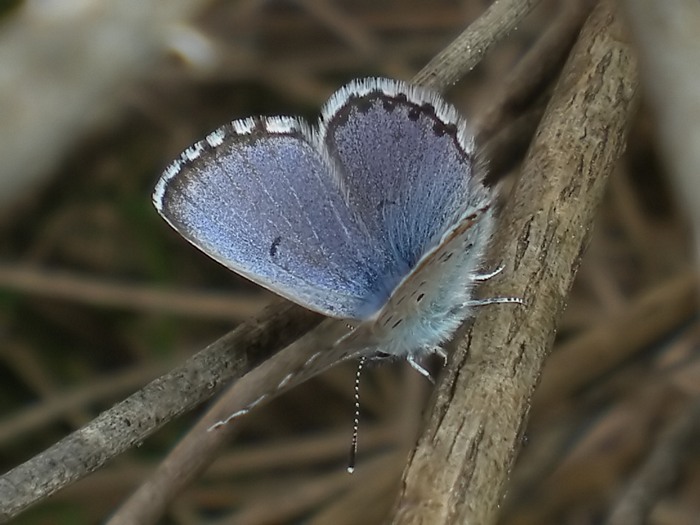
{"points": [[355, 34], [128, 423], [283, 507], [610, 343], [197, 449], [526, 82], [660, 470], [467, 50], [98, 292], [667, 35], [459, 469], [38, 415], [506, 127]]}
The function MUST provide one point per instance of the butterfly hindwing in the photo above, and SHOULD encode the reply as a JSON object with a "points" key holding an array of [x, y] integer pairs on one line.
{"points": [[432, 301], [406, 161]]}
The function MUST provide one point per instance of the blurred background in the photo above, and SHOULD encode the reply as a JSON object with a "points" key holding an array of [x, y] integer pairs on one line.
{"points": [[98, 295]]}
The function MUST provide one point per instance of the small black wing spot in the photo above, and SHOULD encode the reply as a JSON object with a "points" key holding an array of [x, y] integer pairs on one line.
{"points": [[384, 203], [273, 247]]}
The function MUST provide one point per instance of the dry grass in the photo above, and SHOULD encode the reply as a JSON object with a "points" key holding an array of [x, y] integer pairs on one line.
{"points": [[98, 295]]}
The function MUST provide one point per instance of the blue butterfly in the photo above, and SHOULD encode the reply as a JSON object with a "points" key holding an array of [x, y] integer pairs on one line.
{"points": [[378, 214]]}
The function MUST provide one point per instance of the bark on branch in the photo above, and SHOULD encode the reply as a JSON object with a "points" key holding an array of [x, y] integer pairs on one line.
{"points": [[459, 469]]}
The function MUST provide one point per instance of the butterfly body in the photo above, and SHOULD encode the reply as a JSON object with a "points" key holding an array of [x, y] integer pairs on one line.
{"points": [[434, 299], [376, 215]]}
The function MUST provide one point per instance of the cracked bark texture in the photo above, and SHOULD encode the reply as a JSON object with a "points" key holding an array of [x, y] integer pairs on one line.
{"points": [[460, 467]]}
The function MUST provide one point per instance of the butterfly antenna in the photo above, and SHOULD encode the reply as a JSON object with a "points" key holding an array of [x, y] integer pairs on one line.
{"points": [[356, 420]]}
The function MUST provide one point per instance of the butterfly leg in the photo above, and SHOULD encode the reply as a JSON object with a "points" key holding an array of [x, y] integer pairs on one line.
{"points": [[489, 275], [440, 352], [437, 350], [492, 300], [419, 368]]}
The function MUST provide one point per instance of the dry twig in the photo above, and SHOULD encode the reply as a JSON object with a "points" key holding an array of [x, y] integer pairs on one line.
{"points": [[459, 469]]}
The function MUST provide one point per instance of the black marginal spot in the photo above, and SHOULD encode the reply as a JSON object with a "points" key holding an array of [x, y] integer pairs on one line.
{"points": [[259, 129], [389, 104], [363, 104], [440, 129], [420, 298], [397, 323], [339, 119], [273, 247]]}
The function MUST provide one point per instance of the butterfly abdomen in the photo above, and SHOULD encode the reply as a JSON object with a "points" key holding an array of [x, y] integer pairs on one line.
{"points": [[430, 304]]}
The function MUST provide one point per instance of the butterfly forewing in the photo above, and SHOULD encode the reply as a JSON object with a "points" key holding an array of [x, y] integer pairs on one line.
{"points": [[259, 197]]}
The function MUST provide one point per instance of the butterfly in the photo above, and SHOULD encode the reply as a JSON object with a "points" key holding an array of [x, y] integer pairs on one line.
{"points": [[377, 214]]}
